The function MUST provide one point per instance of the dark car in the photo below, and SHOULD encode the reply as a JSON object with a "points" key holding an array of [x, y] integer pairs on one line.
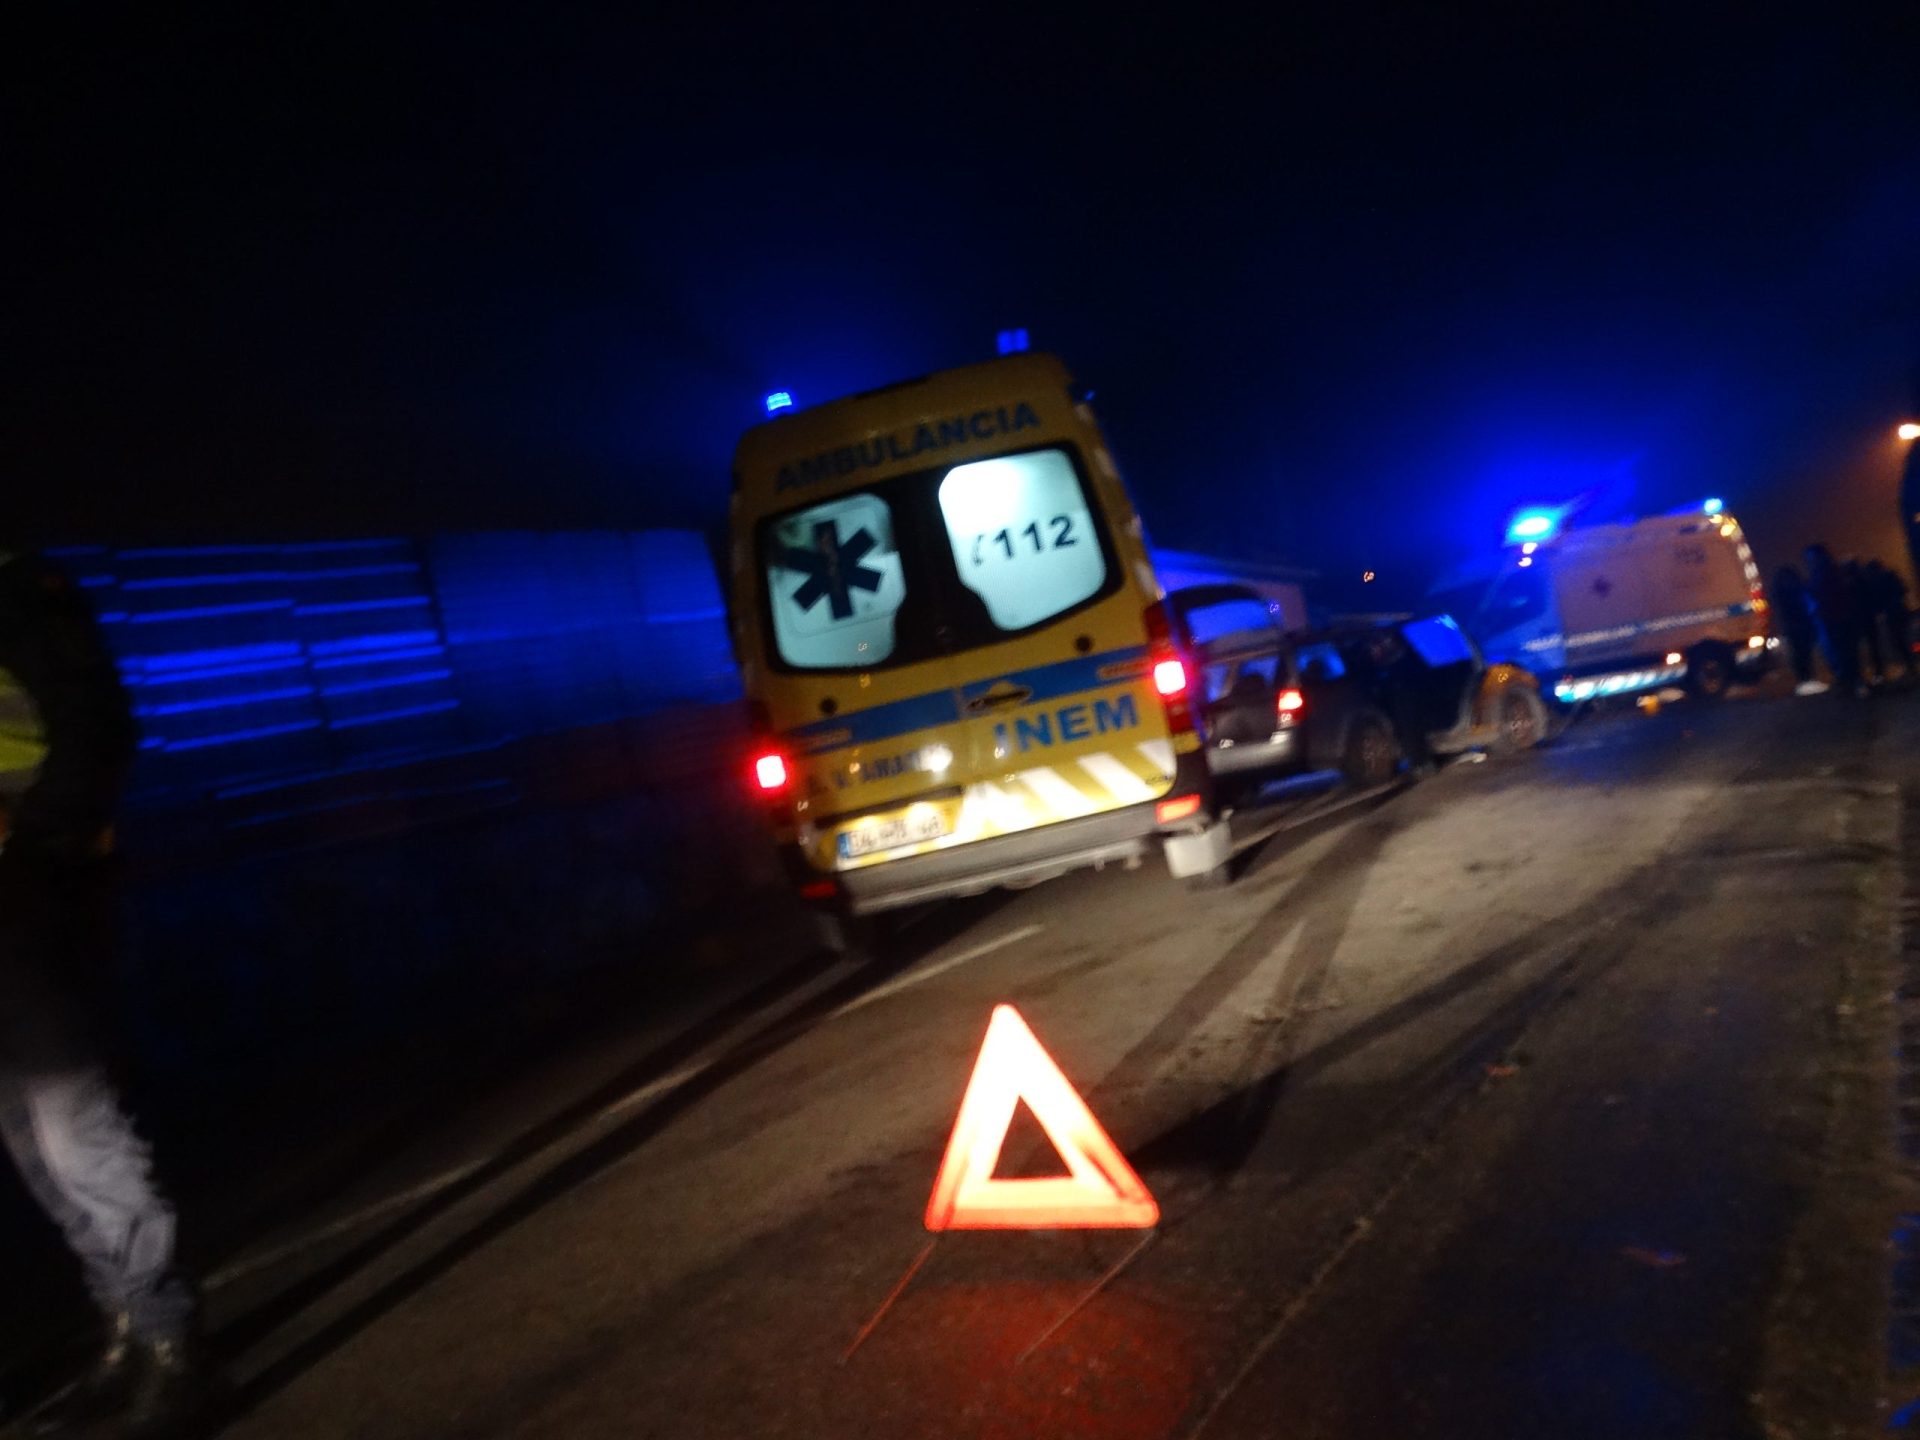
{"points": [[1262, 715], [1360, 699], [1427, 679]]}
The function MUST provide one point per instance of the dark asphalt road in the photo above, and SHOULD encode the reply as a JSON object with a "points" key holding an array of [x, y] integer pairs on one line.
{"points": [[1552, 1097]]}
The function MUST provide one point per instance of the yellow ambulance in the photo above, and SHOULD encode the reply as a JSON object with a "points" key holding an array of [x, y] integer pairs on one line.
{"points": [[953, 647]]}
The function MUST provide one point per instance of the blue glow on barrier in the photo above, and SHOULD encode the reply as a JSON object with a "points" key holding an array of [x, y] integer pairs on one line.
{"points": [[491, 638], [357, 643], [416, 652], [258, 577], [390, 682], [234, 737], [220, 672], [225, 702], [272, 650], [405, 713], [354, 607], [208, 612]]}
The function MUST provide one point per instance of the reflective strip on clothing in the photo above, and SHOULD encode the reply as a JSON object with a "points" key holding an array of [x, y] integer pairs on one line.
{"points": [[22, 737]]}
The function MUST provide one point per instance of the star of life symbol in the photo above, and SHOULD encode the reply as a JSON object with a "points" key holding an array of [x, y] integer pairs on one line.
{"points": [[833, 569]]}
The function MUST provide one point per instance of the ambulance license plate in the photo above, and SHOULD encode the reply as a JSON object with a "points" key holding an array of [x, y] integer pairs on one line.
{"points": [[892, 833]]}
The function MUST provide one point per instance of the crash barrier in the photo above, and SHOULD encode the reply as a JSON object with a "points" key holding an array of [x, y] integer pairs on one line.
{"points": [[381, 777], [263, 664]]}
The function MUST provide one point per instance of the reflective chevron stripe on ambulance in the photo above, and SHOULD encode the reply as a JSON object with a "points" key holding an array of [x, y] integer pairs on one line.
{"points": [[1093, 783]]}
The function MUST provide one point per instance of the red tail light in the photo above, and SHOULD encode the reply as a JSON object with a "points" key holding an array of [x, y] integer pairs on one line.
{"points": [[1292, 702], [1178, 808], [1169, 671], [770, 771]]}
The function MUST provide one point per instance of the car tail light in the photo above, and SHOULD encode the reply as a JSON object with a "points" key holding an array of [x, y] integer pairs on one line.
{"points": [[1292, 702], [1178, 808], [1169, 670], [770, 771]]}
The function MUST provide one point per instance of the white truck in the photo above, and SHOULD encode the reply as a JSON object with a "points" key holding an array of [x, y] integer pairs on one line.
{"points": [[1612, 609]]}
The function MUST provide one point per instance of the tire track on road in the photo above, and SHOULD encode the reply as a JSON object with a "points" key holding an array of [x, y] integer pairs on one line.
{"points": [[1575, 948]]}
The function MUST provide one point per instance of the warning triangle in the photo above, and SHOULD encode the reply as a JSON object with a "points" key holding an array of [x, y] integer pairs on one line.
{"points": [[1100, 1189]]}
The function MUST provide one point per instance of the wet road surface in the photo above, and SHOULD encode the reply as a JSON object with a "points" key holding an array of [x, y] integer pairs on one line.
{"points": [[1546, 1097]]}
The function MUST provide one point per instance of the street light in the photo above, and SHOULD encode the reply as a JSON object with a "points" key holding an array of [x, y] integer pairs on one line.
{"points": [[1910, 430]]}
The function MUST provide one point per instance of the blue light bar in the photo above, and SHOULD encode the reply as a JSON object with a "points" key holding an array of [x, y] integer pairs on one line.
{"points": [[1714, 505], [1011, 342], [779, 400], [1532, 525]]}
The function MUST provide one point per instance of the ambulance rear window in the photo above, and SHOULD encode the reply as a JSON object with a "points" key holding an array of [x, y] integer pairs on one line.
{"points": [[836, 581], [934, 563], [1022, 536]]}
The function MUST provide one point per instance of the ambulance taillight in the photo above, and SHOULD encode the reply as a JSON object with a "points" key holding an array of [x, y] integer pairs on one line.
{"points": [[770, 772], [1169, 671]]}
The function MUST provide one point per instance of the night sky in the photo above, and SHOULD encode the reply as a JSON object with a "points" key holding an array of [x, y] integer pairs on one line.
{"points": [[1349, 286]]}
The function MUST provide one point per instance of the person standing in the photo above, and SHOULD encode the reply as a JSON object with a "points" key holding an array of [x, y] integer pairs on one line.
{"points": [[1866, 608], [68, 742], [1834, 607], [1887, 595], [1792, 608]]}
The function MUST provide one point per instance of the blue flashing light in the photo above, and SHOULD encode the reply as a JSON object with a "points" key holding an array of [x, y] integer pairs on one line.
{"points": [[1532, 525], [1714, 505], [779, 400], [1011, 342]]}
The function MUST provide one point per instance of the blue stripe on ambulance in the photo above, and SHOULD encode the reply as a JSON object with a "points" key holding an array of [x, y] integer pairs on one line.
{"points": [[940, 707]]}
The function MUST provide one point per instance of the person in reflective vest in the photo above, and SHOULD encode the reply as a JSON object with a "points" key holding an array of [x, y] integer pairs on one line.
{"points": [[66, 742]]}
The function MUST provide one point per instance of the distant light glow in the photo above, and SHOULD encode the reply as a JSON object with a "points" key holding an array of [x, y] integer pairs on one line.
{"points": [[1525, 561], [1011, 342], [1673, 657], [1910, 430], [779, 400], [1756, 642], [1714, 505], [1529, 547], [1366, 577]]}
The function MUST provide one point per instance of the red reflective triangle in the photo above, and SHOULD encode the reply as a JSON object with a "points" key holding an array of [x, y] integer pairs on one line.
{"points": [[1100, 1190]]}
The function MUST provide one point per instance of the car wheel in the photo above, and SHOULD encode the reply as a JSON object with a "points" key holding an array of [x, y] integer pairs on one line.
{"points": [[1373, 751], [855, 937], [1709, 671], [1518, 724]]}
